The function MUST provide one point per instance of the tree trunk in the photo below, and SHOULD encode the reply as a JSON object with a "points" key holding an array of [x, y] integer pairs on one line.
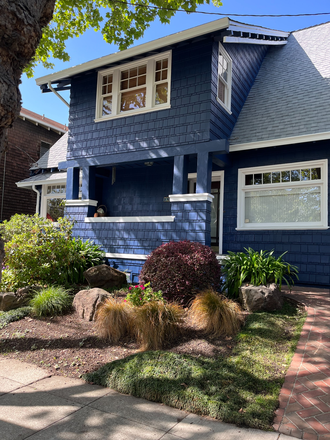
{"points": [[21, 24]]}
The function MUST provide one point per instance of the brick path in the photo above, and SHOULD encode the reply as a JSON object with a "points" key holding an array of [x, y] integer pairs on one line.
{"points": [[304, 410]]}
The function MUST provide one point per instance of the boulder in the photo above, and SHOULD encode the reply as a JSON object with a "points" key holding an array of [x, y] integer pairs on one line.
{"points": [[263, 298], [105, 277], [86, 302], [11, 300]]}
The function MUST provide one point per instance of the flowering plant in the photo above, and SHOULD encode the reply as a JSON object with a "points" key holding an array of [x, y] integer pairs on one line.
{"points": [[140, 294]]}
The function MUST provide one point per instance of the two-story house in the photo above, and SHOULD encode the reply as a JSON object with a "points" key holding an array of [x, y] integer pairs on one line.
{"points": [[218, 134]]}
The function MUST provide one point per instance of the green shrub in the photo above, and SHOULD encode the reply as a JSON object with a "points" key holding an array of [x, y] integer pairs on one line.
{"points": [[140, 294], [181, 269], [37, 252], [113, 320], [13, 315], [156, 323], [215, 314], [52, 301], [257, 268]]}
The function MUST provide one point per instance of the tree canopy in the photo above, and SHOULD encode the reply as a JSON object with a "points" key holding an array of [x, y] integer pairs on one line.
{"points": [[120, 22]]}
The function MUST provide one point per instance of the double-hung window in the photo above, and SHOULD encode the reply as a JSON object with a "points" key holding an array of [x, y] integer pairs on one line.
{"points": [[134, 88], [287, 196], [224, 78]]}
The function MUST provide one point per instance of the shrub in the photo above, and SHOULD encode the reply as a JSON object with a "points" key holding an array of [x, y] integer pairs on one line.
{"points": [[257, 268], [140, 294], [157, 323], [52, 301], [181, 269], [113, 320], [13, 315], [215, 314], [37, 252]]}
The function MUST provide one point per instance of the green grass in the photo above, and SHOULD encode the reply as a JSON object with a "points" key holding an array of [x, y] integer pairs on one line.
{"points": [[241, 389], [13, 315]]}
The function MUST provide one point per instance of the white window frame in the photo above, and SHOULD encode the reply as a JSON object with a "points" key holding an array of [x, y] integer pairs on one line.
{"points": [[150, 86], [228, 85], [242, 188], [45, 197]]}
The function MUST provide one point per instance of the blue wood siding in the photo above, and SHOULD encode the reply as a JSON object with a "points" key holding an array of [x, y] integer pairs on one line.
{"points": [[187, 121], [308, 249], [246, 62]]}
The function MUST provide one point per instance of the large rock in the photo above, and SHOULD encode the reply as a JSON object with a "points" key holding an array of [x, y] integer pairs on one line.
{"points": [[265, 298], [86, 302], [11, 300], [105, 276]]}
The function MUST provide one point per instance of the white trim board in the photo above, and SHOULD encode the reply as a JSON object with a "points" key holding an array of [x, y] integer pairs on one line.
{"points": [[195, 197], [126, 256], [281, 141], [217, 25], [81, 202], [242, 40], [138, 219]]}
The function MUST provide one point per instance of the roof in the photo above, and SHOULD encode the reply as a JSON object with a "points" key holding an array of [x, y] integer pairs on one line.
{"points": [[40, 179], [56, 154], [233, 27], [289, 100], [42, 120]]}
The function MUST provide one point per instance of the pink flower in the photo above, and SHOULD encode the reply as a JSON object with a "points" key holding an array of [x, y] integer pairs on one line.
{"points": [[130, 288], [142, 287], [136, 287], [140, 299], [125, 300]]}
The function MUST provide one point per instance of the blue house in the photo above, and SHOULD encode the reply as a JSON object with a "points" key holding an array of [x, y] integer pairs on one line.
{"points": [[219, 134]]}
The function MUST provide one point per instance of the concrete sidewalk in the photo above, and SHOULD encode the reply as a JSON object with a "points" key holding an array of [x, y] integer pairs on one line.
{"points": [[37, 406]]}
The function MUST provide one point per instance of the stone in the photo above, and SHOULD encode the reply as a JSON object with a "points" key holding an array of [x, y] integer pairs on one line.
{"points": [[105, 277], [87, 302], [263, 298], [11, 300]]}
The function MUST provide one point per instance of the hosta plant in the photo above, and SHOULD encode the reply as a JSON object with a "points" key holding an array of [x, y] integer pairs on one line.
{"points": [[257, 268]]}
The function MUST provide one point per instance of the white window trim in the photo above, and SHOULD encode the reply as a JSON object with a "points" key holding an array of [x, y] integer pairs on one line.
{"points": [[242, 188], [226, 105], [216, 177], [150, 85]]}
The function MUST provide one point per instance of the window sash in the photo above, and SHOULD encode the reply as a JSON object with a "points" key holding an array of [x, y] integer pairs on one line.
{"points": [[283, 205], [155, 90], [224, 78]]}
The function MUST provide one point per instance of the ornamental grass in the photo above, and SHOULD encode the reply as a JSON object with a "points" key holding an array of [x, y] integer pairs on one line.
{"points": [[114, 320], [156, 323], [215, 314]]}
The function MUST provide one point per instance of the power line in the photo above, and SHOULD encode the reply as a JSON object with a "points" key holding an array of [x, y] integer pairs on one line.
{"points": [[162, 8]]}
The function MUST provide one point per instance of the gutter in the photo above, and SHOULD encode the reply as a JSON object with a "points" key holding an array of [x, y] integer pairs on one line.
{"points": [[38, 198]]}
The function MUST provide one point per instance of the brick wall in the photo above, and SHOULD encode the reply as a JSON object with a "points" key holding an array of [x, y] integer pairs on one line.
{"points": [[23, 150]]}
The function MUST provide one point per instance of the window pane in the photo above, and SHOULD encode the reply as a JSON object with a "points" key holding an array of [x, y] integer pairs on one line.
{"points": [[283, 205], [249, 179], [124, 74], [295, 175], [142, 80], [124, 85], [316, 173], [107, 106], [306, 174], [158, 65], [142, 70], [258, 179], [157, 76], [133, 72], [161, 93], [221, 91], [285, 176], [132, 83], [276, 177], [54, 209], [133, 100], [165, 63], [267, 178]]}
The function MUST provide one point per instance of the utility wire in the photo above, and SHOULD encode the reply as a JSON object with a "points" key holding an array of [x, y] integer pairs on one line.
{"points": [[162, 8]]}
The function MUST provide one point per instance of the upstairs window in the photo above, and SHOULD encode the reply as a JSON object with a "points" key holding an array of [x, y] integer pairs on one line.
{"points": [[288, 196], [224, 78], [134, 88], [44, 147]]}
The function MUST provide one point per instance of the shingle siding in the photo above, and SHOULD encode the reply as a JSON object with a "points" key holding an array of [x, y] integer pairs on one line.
{"points": [[308, 249]]}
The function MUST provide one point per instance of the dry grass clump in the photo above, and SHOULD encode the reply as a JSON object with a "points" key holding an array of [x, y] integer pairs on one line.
{"points": [[113, 320], [215, 314], [156, 323]]}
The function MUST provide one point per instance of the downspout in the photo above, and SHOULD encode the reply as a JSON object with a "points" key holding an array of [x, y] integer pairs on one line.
{"points": [[57, 94], [38, 199]]}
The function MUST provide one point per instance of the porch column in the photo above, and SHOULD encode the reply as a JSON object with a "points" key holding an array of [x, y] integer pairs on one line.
{"points": [[88, 183], [180, 175], [72, 183], [204, 172]]}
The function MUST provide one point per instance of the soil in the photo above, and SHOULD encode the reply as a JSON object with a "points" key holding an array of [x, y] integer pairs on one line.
{"points": [[69, 346]]}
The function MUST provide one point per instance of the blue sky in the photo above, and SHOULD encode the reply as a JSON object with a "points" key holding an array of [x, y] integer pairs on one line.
{"points": [[91, 45]]}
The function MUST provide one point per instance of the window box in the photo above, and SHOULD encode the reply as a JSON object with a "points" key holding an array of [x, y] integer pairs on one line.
{"points": [[287, 196], [137, 87]]}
